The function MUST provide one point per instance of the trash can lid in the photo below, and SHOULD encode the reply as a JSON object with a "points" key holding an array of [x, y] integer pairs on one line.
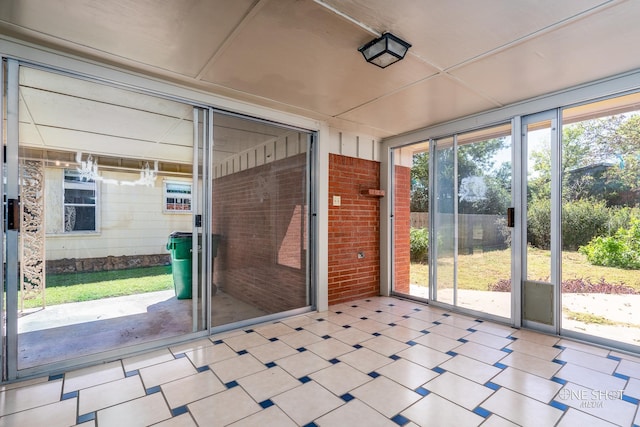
{"points": [[180, 234]]}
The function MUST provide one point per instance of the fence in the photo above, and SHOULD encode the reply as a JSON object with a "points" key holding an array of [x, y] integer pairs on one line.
{"points": [[475, 232]]}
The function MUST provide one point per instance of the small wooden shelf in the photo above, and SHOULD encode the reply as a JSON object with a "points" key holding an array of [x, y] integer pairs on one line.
{"points": [[372, 192]]}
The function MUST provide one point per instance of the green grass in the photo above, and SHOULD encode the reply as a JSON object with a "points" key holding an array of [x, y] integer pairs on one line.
{"points": [[76, 287], [480, 270]]}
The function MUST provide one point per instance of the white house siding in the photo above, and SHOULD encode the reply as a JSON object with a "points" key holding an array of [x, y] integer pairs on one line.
{"points": [[131, 220]]}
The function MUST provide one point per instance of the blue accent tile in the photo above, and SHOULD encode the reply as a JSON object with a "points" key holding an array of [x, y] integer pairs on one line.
{"points": [[559, 347], [346, 326], [241, 352], [512, 338], [506, 350], [378, 311], [273, 339], [438, 369], [400, 420], [231, 384], [304, 379], [374, 374], [357, 346], [452, 353], [216, 342], [363, 318], [334, 361], [131, 373], [435, 322], [347, 397], [153, 390], [422, 391], [558, 405], [311, 424], [56, 377], [492, 386], [353, 306], [301, 349], [392, 324], [325, 337], [630, 399], [391, 305], [270, 364], [462, 340], [299, 328], [249, 331], [394, 357], [624, 377], [482, 412], [478, 320], [500, 365], [338, 312], [179, 410], [446, 315], [70, 395], [179, 356], [86, 417], [417, 309], [558, 380], [368, 300], [376, 334], [471, 330], [559, 362], [411, 343], [266, 403], [202, 368], [406, 317], [614, 358], [320, 320], [424, 331]]}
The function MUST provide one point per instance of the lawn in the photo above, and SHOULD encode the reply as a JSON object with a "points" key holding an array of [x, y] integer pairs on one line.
{"points": [[76, 287], [480, 270]]}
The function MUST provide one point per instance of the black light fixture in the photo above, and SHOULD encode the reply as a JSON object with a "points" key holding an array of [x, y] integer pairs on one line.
{"points": [[385, 50]]}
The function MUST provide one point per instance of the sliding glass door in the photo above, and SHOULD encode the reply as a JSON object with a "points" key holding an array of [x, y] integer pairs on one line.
{"points": [[459, 236]]}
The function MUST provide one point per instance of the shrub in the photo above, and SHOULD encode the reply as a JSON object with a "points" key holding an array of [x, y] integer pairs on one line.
{"points": [[582, 220], [419, 240], [620, 250]]}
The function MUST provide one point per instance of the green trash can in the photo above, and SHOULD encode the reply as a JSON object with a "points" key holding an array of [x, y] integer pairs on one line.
{"points": [[180, 247]]}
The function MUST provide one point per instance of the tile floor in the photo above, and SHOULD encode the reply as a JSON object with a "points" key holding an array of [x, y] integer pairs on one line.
{"points": [[374, 362]]}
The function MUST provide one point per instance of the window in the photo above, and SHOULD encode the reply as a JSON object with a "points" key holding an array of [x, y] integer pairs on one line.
{"points": [[80, 203], [177, 196]]}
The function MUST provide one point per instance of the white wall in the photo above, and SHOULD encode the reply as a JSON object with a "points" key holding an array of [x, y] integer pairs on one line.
{"points": [[131, 220]]}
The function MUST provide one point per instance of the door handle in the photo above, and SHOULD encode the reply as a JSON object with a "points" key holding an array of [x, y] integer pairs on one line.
{"points": [[511, 217], [13, 214]]}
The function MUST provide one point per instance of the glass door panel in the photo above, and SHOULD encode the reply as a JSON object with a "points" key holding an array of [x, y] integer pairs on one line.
{"points": [[601, 220], [260, 219], [484, 236], [106, 242], [444, 221], [540, 265]]}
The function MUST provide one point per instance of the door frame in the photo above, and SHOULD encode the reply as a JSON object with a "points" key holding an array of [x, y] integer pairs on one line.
{"points": [[519, 266]]}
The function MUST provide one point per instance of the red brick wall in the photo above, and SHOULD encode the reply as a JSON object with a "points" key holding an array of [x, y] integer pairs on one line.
{"points": [[402, 227], [260, 214], [353, 227]]}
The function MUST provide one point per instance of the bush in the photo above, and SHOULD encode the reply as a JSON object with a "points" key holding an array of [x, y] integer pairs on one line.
{"points": [[582, 220], [419, 240], [620, 250]]}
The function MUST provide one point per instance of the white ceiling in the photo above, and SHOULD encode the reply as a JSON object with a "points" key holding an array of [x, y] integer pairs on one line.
{"points": [[301, 56]]}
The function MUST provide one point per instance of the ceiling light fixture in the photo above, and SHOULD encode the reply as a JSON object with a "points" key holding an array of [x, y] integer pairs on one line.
{"points": [[385, 50]]}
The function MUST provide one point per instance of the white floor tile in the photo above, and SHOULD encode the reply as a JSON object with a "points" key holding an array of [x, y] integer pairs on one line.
{"points": [[433, 410], [389, 398], [307, 402], [458, 390], [521, 410]]}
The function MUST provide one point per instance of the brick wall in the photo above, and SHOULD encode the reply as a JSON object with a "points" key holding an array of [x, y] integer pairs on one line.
{"points": [[353, 227], [260, 214], [402, 227]]}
